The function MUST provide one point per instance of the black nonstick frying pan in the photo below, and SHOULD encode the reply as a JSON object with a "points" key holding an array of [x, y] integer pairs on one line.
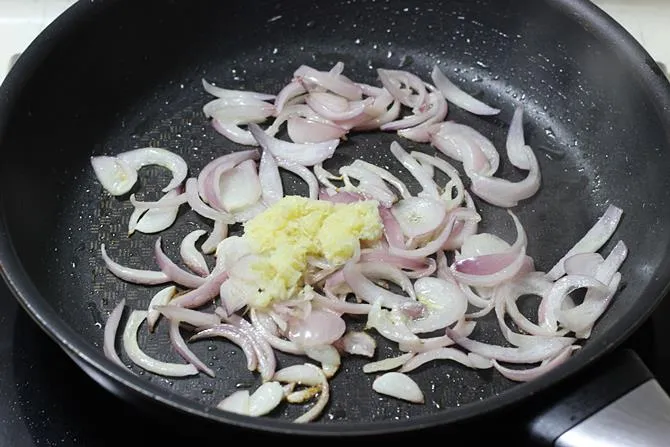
{"points": [[113, 75]]}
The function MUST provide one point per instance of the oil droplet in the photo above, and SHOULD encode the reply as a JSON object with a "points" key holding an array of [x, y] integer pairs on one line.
{"points": [[548, 131], [207, 391], [243, 385], [212, 348]]}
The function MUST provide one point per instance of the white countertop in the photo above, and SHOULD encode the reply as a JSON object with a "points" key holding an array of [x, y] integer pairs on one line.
{"points": [[22, 20]]}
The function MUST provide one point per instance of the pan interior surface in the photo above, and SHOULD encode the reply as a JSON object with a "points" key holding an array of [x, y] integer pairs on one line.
{"points": [[124, 75]]}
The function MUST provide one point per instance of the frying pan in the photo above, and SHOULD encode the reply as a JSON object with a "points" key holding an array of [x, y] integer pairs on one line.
{"points": [[112, 75]]}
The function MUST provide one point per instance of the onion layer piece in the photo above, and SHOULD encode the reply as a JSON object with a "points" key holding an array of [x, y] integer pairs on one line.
{"points": [[310, 375], [387, 364], [138, 158], [398, 385], [161, 298], [115, 175], [111, 326], [141, 359], [457, 96]]}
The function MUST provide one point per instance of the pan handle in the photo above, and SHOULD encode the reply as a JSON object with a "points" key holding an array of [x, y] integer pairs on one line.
{"points": [[618, 404]]}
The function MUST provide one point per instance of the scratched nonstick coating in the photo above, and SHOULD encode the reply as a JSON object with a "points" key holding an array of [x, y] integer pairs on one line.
{"points": [[116, 75]]}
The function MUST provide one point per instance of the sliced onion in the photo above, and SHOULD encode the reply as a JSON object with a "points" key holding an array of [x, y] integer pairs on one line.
{"points": [[157, 219], [223, 164], [309, 375], [398, 385], [381, 271], [581, 318], [516, 142], [234, 133], [375, 123], [436, 107], [116, 175], [429, 188], [304, 173], [462, 228], [384, 175], [370, 184], [266, 398], [387, 363], [197, 205], [530, 284], [146, 277], [270, 179], [333, 82], [389, 324], [367, 291], [592, 241], [304, 154], [502, 192], [435, 245], [305, 130], [190, 255], [324, 177], [464, 328], [263, 324], [528, 374], [207, 291], [225, 93], [446, 354], [195, 318], [482, 244], [161, 298], [562, 288], [457, 96], [444, 301], [338, 109], [358, 343], [591, 310], [167, 201], [267, 362], [340, 306], [141, 359], [180, 346], [327, 355], [111, 327], [454, 178], [238, 403], [515, 338], [318, 328], [414, 92], [236, 336], [138, 158], [173, 271], [583, 264], [291, 90], [235, 114], [491, 269], [438, 111], [465, 144], [240, 187], [237, 109], [419, 216], [546, 348], [219, 233], [417, 267]]}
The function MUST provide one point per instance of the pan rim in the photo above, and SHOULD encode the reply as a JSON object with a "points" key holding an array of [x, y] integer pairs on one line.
{"points": [[26, 293]]}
